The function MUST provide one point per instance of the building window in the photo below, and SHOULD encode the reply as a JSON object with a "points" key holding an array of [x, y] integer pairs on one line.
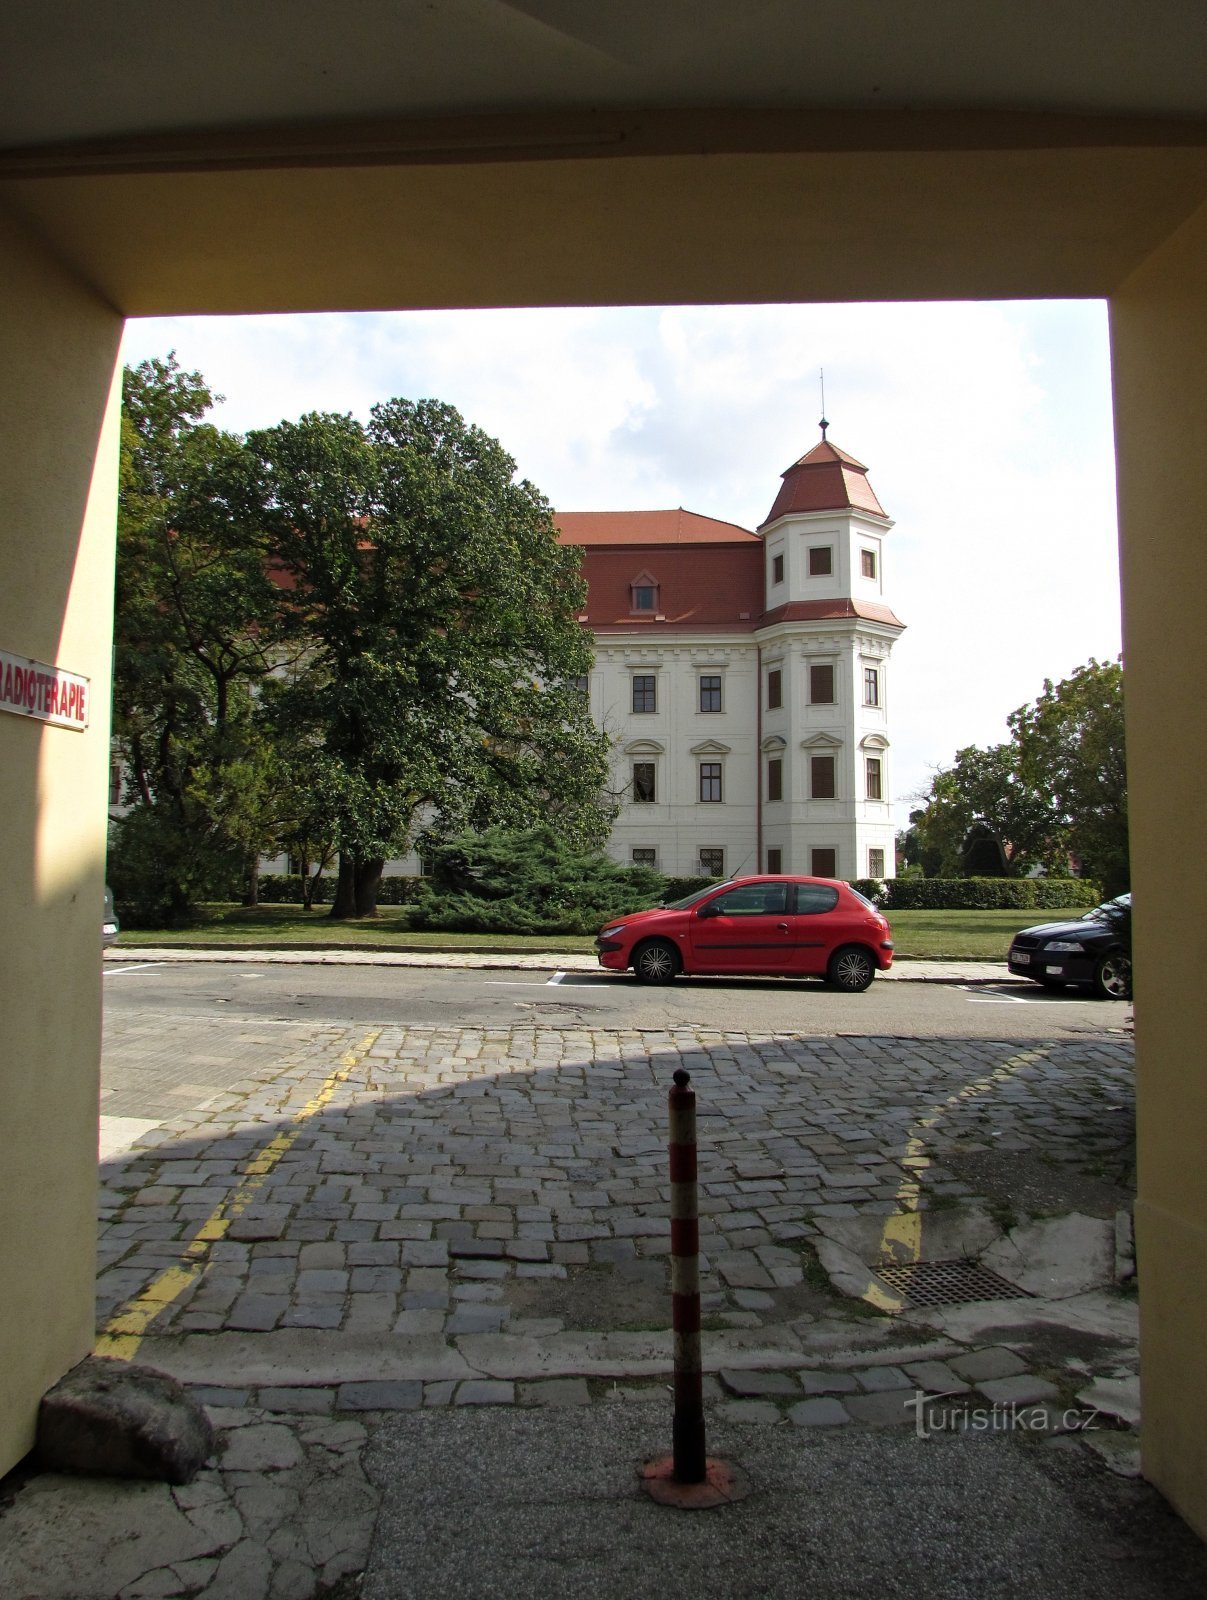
{"points": [[712, 863], [710, 692], [644, 596], [875, 788], [867, 563], [710, 780], [823, 863], [821, 561], [645, 691], [115, 784], [643, 783], [775, 688], [821, 777], [875, 863], [649, 858], [775, 860], [871, 686], [777, 569], [579, 684], [775, 778], [821, 684]]}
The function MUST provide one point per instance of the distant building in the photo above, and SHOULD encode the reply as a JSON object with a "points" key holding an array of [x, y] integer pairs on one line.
{"points": [[743, 678]]}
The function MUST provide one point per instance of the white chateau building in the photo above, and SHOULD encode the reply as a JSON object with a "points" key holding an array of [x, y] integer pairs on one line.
{"points": [[744, 678]]}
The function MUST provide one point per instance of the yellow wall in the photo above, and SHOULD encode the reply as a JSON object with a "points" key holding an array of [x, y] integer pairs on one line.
{"points": [[1159, 352], [58, 481]]}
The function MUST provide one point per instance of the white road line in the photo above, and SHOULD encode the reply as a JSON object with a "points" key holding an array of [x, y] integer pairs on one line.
{"points": [[138, 966], [514, 983]]}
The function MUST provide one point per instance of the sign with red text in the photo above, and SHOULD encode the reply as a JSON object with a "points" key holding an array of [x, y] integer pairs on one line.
{"points": [[33, 689]]}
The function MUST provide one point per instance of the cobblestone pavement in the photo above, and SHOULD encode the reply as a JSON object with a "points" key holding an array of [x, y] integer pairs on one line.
{"points": [[373, 1221], [457, 1181]]}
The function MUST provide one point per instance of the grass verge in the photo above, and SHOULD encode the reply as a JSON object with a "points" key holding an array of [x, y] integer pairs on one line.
{"points": [[921, 935]]}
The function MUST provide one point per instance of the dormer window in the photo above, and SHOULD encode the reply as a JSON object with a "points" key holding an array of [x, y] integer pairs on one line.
{"points": [[643, 594]]}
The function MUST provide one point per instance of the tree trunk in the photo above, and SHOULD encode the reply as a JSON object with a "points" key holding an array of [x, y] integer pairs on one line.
{"points": [[251, 896], [368, 881], [344, 903]]}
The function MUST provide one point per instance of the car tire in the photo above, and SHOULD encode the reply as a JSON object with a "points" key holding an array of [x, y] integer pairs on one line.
{"points": [[656, 962], [1113, 976], [851, 969]]}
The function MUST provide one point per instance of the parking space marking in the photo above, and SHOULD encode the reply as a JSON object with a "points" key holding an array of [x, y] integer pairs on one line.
{"points": [[125, 1331], [138, 966], [901, 1236]]}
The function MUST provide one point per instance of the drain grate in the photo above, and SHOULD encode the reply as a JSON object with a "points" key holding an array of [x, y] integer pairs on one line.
{"points": [[948, 1283]]}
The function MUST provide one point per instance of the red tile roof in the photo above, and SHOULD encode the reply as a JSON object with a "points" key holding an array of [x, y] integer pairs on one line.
{"points": [[647, 527], [827, 610], [711, 586], [826, 479]]}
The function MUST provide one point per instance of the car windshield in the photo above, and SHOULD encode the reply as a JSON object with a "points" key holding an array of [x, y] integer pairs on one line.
{"points": [[1109, 909], [690, 899]]}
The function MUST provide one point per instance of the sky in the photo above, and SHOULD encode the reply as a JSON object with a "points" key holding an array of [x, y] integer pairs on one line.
{"points": [[985, 428]]}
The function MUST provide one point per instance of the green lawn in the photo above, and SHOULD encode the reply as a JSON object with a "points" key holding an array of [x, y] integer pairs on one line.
{"points": [[287, 927], [963, 935]]}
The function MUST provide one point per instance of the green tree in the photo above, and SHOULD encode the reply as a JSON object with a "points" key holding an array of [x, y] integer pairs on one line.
{"points": [[1070, 747], [981, 818], [435, 614], [195, 632], [1057, 788]]}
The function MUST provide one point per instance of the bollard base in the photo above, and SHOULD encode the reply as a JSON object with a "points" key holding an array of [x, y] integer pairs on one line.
{"points": [[722, 1485]]}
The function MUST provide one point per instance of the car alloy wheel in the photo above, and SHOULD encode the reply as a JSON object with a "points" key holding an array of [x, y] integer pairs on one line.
{"points": [[1113, 976], [656, 963], [851, 969]]}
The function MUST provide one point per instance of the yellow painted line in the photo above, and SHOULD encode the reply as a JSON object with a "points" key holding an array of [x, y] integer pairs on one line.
{"points": [[127, 1328], [901, 1236]]}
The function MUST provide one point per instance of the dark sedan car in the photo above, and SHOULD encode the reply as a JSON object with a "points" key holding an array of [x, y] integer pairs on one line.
{"points": [[1095, 951]]}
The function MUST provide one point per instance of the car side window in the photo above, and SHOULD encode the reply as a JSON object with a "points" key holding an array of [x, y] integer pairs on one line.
{"points": [[812, 898], [752, 900]]}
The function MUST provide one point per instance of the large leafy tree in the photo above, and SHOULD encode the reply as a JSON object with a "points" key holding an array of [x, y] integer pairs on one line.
{"points": [[1057, 788], [195, 632], [435, 611]]}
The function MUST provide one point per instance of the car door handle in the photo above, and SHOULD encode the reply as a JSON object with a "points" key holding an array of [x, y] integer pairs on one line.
{"points": [[781, 927]]}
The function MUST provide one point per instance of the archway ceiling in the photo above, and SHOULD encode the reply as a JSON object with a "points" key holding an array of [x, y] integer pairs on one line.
{"points": [[259, 156], [76, 70]]}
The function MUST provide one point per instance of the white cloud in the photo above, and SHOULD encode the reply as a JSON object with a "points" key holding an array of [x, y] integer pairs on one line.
{"points": [[986, 429]]}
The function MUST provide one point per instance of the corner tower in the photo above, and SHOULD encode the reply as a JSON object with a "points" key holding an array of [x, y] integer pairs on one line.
{"points": [[825, 640]]}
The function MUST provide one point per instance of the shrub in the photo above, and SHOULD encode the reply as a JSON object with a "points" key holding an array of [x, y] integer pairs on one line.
{"points": [[533, 882], [988, 894], [679, 888]]}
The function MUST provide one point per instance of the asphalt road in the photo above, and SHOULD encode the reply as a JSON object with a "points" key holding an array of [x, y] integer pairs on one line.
{"points": [[444, 998]]}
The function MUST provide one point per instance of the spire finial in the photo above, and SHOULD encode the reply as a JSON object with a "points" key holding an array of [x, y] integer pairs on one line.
{"points": [[824, 424]]}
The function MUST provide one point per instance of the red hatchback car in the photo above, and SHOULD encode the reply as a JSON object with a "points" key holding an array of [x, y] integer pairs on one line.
{"points": [[782, 926]]}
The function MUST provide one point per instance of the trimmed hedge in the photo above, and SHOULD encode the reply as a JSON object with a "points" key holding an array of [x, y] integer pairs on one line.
{"points": [[988, 894]]}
